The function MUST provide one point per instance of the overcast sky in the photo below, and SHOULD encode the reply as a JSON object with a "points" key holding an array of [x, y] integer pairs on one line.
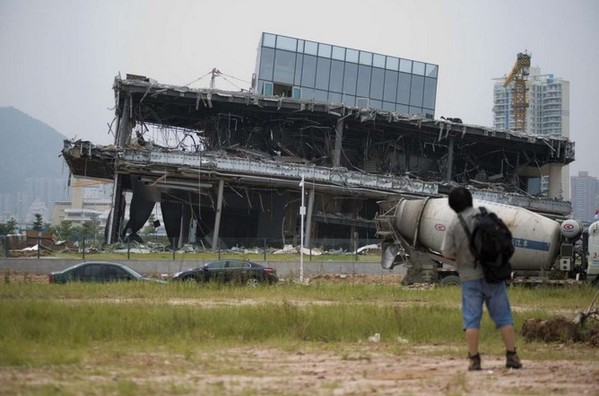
{"points": [[58, 58]]}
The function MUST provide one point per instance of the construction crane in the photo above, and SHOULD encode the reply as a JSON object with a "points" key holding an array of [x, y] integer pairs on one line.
{"points": [[519, 75]]}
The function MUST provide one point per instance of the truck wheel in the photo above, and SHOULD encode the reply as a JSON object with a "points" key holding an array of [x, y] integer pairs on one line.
{"points": [[451, 280]]}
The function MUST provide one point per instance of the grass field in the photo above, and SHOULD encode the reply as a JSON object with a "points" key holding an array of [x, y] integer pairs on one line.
{"points": [[111, 333]]}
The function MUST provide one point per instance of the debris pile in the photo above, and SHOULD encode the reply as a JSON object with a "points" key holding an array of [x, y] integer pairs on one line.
{"points": [[584, 328]]}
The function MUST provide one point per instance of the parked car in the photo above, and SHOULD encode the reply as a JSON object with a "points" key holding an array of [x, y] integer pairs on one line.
{"points": [[230, 271], [98, 271]]}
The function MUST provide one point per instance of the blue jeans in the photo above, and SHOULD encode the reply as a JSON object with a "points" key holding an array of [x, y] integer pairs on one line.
{"points": [[493, 295]]}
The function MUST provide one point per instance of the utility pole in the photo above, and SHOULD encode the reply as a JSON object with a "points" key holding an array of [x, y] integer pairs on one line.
{"points": [[302, 214]]}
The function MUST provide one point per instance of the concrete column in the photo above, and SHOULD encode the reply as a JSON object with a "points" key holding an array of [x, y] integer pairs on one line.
{"points": [[185, 224], [122, 134], [116, 213], [219, 208], [555, 181], [449, 160], [309, 209], [338, 143]]}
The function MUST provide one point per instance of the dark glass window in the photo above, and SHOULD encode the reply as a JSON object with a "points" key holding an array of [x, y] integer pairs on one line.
{"points": [[299, 60], [403, 88], [430, 91], [323, 68], [339, 53], [268, 40], [309, 71], [324, 50], [116, 273], [235, 264], [286, 43], [366, 58], [376, 83], [349, 100], [363, 86], [92, 271], [405, 65], [416, 110], [284, 67], [217, 265], [418, 68], [378, 60], [431, 70], [417, 91], [336, 80], [320, 95], [392, 63], [389, 106], [310, 48], [267, 88], [267, 61], [351, 55], [362, 103], [307, 93], [350, 77], [375, 104], [390, 92], [335, 97], [345, 74], [402, 109]]}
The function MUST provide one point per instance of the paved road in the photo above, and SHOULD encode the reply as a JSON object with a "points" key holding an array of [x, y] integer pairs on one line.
{"points": [[285, 269]]}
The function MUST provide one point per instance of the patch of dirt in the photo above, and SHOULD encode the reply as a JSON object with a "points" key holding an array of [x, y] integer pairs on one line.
{"points": [[356, 278], [359, 369], [383, 370]]}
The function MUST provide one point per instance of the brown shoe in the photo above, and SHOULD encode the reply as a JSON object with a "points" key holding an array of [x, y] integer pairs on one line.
{"points": [[512, 360], [474, 362]]}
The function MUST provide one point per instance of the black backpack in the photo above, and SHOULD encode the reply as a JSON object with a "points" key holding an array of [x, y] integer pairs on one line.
{"points": [[491, 245]]}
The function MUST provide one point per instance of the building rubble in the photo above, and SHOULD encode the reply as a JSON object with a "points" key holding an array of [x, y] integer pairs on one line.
{"points": [[227, 165]]}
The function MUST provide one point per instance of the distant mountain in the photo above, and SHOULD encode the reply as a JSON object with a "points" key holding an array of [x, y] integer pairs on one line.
{"points": [[28, 148]]}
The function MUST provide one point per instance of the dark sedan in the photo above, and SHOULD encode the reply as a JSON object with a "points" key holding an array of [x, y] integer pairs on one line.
{"points": [[230, 271], [98, 271]]}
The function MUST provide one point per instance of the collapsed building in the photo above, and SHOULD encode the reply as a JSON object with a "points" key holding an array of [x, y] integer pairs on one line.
{"points": [[229, 164], [358, 127]]}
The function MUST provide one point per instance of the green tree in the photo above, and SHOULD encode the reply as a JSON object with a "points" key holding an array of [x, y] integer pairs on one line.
{"points": [[38, 223], [64, 231], [9, 227], [91, 229]]}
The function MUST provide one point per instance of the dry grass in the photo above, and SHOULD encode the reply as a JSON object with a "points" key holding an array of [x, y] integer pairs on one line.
{"points": [[285, 340]]}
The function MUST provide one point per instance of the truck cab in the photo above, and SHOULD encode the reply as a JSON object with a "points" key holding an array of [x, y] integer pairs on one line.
{"points": [[593, 255]]}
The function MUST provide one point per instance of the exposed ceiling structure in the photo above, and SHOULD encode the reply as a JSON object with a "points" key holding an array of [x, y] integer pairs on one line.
{"points": [[182, 140]]}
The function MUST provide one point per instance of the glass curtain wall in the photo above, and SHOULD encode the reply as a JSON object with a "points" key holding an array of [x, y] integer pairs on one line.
{"points": [[297, 68]]}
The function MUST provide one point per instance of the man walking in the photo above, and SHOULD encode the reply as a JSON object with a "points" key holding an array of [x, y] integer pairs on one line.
{"points": [[475, 290]]}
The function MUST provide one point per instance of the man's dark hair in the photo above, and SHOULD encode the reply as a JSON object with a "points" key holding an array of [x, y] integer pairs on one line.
{"points": [[459, 199]]}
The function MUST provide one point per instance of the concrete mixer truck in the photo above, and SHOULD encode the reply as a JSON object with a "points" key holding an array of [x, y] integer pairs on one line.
{"points": [[545, 250]]}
